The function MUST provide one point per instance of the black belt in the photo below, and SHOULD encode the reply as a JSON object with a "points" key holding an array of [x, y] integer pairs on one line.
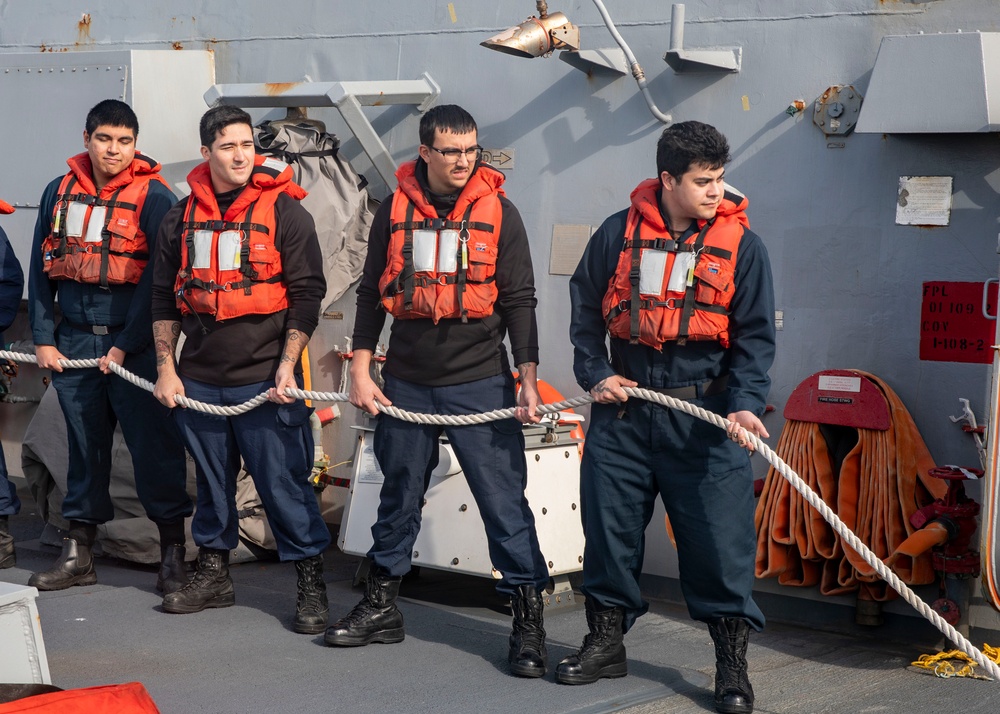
{"points": [[94, 329], [694, 391]]}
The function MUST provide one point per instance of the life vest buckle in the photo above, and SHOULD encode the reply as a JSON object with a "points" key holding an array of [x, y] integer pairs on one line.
{"points": [[624, 305], [434, 224]]}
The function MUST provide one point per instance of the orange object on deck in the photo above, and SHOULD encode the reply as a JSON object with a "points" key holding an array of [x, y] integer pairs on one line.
{"points": [[131, 698]]}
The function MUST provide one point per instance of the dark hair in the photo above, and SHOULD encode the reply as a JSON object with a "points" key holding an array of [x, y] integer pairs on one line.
{"points": [[112, 112], [218, 118], [690, 143], [447, 117]]}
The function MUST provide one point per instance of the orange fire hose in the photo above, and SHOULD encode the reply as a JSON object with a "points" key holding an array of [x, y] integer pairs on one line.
{"points": [[882, 481]]}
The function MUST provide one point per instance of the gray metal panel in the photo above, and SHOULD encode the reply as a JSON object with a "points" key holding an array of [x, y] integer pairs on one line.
{"points": [[939, 83]]}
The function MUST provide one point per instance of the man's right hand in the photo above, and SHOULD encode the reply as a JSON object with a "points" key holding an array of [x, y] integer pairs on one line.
{"points": [[48, 357], [365, 394], [609, 390], [167, 387]]}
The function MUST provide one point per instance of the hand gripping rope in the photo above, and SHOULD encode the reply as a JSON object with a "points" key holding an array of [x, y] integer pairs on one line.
{"points": [[763, 449]]}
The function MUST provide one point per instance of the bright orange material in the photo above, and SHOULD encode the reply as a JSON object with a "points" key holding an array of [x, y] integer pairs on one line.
{"points": [[131, 698], [883, 480], [442, 295], [711, 285], [6, 207], [122, 254], [255, 286]]}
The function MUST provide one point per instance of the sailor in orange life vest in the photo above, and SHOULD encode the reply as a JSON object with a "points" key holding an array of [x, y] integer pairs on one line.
{"points": [[683, 288], [448, 258], [95, 233], [239, 271]]}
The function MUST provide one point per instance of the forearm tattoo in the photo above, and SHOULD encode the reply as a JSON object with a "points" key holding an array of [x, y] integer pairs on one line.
{"points": [[165, 335], [295, 342]]}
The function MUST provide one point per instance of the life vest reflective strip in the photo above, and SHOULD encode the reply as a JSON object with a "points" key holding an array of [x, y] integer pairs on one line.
{"points": [[468, 291], [699, 310], [254, 285], [121, 253]]}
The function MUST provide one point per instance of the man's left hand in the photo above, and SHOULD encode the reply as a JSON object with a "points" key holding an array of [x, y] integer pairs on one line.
{"points": [[283, 379], [742, 423], [114, 355]]}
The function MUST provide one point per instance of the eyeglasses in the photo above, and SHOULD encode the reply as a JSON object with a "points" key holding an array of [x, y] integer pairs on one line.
{"points": [[451, 155]]}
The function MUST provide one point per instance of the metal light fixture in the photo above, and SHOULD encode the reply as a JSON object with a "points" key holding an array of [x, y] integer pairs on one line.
{"points": [[537, 36]]}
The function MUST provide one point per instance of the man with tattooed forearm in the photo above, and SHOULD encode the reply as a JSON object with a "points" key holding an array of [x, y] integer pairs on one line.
{"points": [[239, 273]]}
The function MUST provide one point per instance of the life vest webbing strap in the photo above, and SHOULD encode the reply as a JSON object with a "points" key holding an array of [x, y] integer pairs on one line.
{"points": [[211, 286], [422, 281], [89, 200], [225, 226], [106, 240], [62, 215], [463, 265], [689, 300], [666, 244], [189, 229], [633, 277], [71, 249], [246, 267], [437, 224], [405, 277]]}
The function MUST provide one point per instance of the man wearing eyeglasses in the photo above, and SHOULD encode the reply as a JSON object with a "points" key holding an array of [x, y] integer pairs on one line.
{"points": [[448, 258]]}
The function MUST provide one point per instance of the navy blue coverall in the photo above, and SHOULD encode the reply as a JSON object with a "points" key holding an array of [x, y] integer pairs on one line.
{"points": [[639, 450], [92, 402], [11, 288]]}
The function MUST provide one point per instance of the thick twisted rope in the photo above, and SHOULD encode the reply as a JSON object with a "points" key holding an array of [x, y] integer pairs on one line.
{"points": [[797, 483]]}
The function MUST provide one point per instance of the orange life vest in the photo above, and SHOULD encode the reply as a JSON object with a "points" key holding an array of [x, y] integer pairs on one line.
{"points": [[112, 249], [230, 265], [443, 267], [643, 305]]}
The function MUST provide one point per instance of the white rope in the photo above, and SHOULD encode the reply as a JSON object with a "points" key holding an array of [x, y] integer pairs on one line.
{"points": [[797, 483]]}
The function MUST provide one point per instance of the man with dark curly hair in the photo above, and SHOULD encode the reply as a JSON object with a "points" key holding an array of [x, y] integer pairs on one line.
{"points": [[683, 288]]}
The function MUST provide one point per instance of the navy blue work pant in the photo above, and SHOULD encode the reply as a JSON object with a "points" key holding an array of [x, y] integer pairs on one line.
{"points": [[706, 483], [276, 445], [492, 458], [10, 504], [93, 403]]}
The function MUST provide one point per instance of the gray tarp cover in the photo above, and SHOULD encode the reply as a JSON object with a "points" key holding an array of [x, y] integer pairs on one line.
{"points": [[337, 198]]}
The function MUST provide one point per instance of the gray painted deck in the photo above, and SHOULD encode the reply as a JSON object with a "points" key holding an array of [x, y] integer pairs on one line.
{"points": [[245, 659]]}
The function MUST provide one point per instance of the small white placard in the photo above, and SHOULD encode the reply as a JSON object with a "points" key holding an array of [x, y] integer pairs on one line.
{"points": [[369, 471], [831, 383], [568, 243], [924, 201]]}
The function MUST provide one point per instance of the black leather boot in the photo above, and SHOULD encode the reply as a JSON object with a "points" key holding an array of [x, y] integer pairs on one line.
{"points": [[312, 610], [733, 693], [603, 651], [527, 655], [173, 574], [8, 558], [211, 585], [375, 619], [75, 565]]}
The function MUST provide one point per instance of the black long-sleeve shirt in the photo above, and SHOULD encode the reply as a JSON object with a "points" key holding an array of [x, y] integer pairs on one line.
{"points": [[246, 349], [453, 352], [751, 327]]}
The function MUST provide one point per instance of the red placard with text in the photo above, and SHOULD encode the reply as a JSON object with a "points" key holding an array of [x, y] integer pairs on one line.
{"points": [[952, 325]]}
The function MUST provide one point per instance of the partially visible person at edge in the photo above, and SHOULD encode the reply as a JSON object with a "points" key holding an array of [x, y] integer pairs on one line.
{"points": [[448, 258], [93, 245], [11, 288], [684, 289], [239, 272]]}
